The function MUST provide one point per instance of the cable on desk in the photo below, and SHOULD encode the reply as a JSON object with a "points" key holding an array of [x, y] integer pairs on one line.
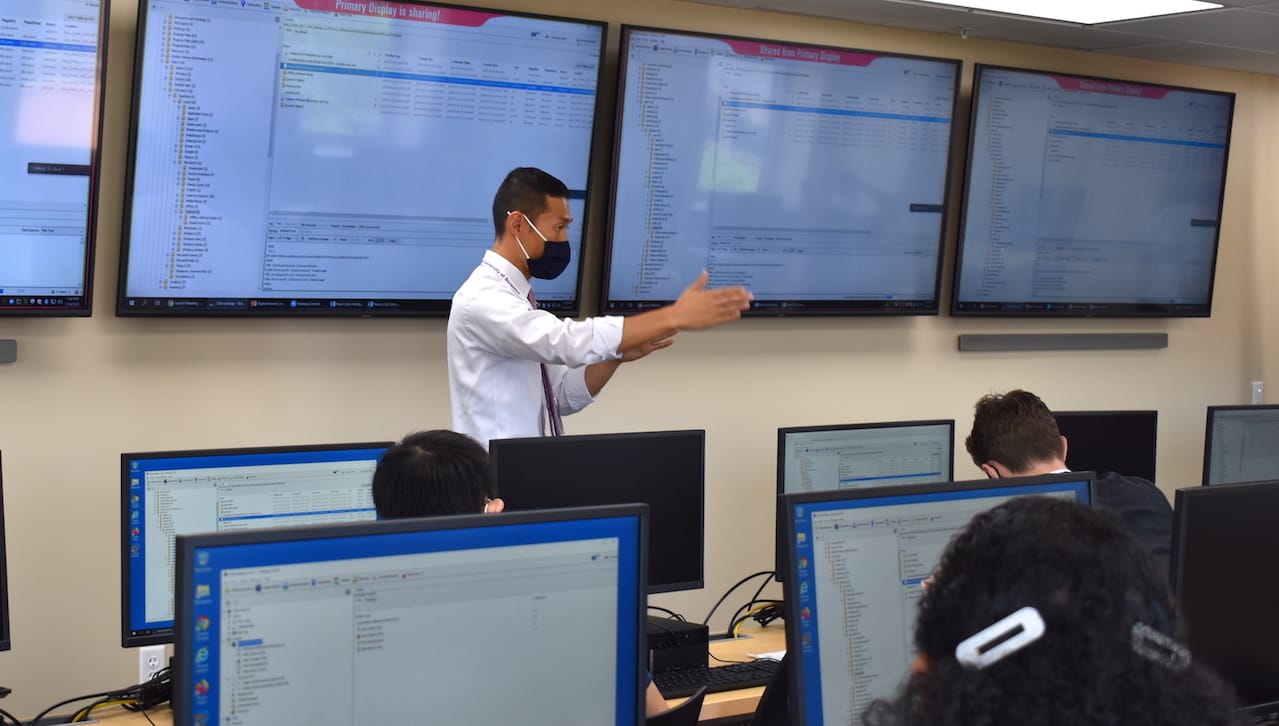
{"points": [[137, 697], [740, 582], [764, 613]]}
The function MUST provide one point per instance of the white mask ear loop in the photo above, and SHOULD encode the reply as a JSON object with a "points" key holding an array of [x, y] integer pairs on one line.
{"points": [[517, 237]]}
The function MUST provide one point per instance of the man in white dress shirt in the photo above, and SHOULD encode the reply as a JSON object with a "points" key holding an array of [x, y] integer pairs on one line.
{"points": [[508, 360]]}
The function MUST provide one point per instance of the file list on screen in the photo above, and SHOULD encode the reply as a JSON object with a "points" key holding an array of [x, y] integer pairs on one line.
{"points": [[860, 564], [859, 457], [374, 631], [48, 131], [806, 174], [172, 496], [1086, 195], [327, 155], [1243, 445]]}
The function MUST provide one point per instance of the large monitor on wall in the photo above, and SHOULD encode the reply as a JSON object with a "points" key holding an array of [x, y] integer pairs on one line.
{"points": [[322, 157], [851, 645], [1241, 444], [5, 638], [449, 620], [52, 69], [815, 176], [1090, 196], [1223, 564], [167, 493], [1118, 441], [663, 469]]}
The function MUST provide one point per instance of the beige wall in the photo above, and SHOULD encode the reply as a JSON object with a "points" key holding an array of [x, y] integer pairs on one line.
{"points": [[85, 390]]}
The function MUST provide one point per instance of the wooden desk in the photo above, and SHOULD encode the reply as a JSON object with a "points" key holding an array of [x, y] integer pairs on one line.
{"points": [[723, 705], [742, 702]]}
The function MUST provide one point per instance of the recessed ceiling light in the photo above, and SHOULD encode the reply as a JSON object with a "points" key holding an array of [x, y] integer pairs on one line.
{"points": [[1085, 12]]}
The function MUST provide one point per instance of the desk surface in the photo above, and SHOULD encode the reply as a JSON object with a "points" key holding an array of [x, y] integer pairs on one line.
{"points": [[716, 705], [742, 701]]}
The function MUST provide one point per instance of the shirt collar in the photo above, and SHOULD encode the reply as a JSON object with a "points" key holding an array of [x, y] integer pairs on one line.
{"points": [[510, 271]]}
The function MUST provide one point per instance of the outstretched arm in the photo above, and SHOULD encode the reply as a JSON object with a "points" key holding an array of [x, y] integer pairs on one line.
{"points": [[697, 308]]}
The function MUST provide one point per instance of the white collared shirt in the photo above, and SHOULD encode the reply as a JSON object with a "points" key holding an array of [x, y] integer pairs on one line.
{"points": [[496, 341]]}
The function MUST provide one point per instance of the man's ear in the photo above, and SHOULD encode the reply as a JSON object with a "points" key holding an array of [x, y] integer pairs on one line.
{"points": [[989, 469], [1063, 449]]}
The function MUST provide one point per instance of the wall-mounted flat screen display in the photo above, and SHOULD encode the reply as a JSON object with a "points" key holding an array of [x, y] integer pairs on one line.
{"points": [[814, 176], [52, 65], [1090, 197], [323, 157]]}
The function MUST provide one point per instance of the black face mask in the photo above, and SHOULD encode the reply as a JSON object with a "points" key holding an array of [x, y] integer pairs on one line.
{"points": [[554, 260], [555, 256]]}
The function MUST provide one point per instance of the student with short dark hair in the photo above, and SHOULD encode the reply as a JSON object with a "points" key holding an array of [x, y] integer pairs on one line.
{"points": [[431, 473], [1014, 434], [1044, 611]]}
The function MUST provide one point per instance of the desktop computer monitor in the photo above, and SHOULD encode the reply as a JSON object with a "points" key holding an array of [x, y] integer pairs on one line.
{"points": [[167, 493], [855, 560], [1241, 444], [1224, 559], [853, 456], [857, 456], [5, 641], [445, 620], [663, 469], [1118, 441]]}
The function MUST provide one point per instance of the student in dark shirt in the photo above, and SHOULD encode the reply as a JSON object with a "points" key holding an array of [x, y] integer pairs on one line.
{"points": [[1014, 434], [1099, 641]]}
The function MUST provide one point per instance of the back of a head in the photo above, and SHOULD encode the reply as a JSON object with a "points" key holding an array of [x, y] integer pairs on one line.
{"points": [[524, 189], [1108, 655], [432, 473], [1015, 429]]}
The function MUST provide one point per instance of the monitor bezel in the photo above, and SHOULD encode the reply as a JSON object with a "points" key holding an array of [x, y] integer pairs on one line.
{"points": [[91, 212], [787, 501], [186, 545], [1183, 502], [794, 308], [782, 433], [6, 635], [1154, 414], [423, 308], [1212, 411], [1130, 310], [127, 638], [699, 434]]}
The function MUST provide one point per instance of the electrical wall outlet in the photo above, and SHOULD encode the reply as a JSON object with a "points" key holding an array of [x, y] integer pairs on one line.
{"points": [[1258, 393], [151, 660]]}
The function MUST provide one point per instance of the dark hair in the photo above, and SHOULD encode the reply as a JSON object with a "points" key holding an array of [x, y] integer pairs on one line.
{"points": [[1092, 583], [524, 189], [431, 473], [1015, 429]]}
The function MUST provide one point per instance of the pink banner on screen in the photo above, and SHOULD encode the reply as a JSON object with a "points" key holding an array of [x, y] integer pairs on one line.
{"points": [[759, 49], [1114, 88], [400, 11]]}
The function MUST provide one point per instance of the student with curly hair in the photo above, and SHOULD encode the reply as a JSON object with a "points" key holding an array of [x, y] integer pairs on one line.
{"points": [[1046, 612]]}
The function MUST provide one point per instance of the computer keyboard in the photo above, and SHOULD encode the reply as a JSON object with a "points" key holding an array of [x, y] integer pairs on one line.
{"points": [[686, 681]]}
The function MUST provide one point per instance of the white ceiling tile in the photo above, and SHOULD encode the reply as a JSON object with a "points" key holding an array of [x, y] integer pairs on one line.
{"points": [[1203, 54], [1230, 27]]}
